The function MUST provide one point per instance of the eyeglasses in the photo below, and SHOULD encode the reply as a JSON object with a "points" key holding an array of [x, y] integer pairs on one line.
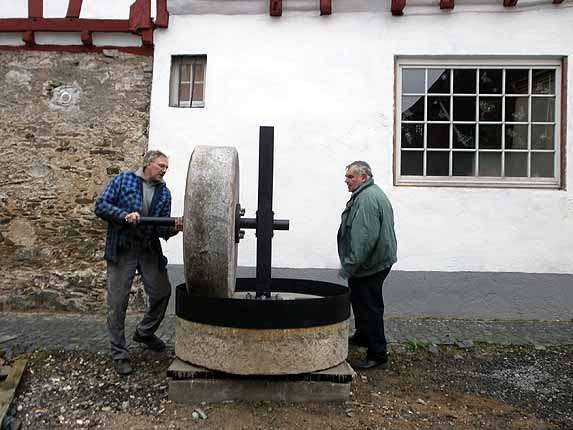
{"points": [[161, 165]]}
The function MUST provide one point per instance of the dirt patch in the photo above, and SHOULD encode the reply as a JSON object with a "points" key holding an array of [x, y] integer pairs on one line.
{"points": [[449, 388]]}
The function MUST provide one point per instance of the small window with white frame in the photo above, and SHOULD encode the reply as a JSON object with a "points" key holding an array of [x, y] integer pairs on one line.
{"points": [[478, 122], [187, 87]]}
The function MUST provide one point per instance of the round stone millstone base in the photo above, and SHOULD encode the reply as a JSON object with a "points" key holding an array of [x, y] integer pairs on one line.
{"points": [[243, 351]]}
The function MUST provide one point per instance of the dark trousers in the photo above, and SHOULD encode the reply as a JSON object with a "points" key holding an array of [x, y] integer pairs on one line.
{"points": [[119, 278], [368, 307]]}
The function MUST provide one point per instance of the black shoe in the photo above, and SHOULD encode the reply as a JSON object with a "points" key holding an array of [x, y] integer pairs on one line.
{"points": [[152, 342], [373, 363], [357, 340], [122, 366]]}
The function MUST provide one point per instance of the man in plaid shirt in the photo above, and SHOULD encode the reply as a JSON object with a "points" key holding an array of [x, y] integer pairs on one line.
{"points": [[130, 247]]}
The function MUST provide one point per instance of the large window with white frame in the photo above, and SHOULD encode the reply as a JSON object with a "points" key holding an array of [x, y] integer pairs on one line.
{"points": [[478, 122], [187, 86]]}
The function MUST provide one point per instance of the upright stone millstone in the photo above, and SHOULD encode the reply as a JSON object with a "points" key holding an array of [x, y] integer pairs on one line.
{"points": [[211, 197], [247, 333]]}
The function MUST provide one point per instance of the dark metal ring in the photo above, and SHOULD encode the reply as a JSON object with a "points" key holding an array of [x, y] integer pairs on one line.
{"points": [[332, 305]]}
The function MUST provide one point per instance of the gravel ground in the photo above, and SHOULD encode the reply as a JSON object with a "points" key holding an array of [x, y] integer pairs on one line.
{"points": [[425, 387]]}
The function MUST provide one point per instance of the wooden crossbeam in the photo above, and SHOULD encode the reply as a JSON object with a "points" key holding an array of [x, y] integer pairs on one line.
{"points": [[35, 8], [140, 16], [162, 14], [74, 9], [557, 1], [275, 7], [397, 7], [87, 38], [28, 38], [64, 25], [447, 4], [509, 3], [325, 7]]}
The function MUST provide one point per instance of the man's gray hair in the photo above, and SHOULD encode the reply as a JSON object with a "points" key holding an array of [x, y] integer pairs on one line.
{"points": [[151, 156], [361, 167]]}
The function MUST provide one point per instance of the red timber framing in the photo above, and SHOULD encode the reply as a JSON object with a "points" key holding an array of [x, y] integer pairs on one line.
{"points": [[139, 23], [276, 7], [397, 6]]}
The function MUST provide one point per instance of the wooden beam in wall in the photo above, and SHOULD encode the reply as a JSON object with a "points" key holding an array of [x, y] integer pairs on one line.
{"points": [[447, 4], [275, 7], [28, 38], [87, 38], [64, 25], [35, 8], [397, 7], [325, 7], [509, 3], [162, 14], [74, 9], [140, 16]]}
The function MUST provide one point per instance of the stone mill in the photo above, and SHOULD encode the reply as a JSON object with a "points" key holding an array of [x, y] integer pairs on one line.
{"points": [[257, 338]]}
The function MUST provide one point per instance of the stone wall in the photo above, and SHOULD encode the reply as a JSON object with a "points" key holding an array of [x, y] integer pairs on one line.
{"points": [[68, 123]]}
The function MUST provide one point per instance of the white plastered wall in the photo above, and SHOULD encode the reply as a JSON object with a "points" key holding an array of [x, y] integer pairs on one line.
{"points": [[326, 85]]}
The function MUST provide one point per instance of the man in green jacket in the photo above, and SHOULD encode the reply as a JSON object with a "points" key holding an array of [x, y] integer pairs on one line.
{"points": [[367, 251]]}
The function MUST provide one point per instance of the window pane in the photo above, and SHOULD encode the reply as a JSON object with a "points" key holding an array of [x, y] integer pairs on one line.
{"points": [[542, 136], [490, 136], [490, 108], [438, 135], [542, 165], [490, 81], [439, 108], [463, 164], [412, 163], [412, 135], [413, 81], [199, 72], [543, 109], [465, 81], [490, 164], [516, 164], [185, 72], [439, 81], [438, 163], [543, 82], [413, 108], [184, 92], [198, 93], [517, 109], [516, 81], [464, 108], [516, 136], [464, 136]]}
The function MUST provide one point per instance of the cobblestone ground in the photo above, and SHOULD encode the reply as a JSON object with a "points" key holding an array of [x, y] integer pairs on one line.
{"points": [[27, 332]]}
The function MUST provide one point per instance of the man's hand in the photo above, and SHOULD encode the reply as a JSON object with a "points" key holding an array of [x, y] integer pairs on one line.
{"points": [[132, 218], [179, 224]]}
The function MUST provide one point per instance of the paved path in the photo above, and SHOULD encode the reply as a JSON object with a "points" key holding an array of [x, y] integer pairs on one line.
{"points": [[26, 332]]}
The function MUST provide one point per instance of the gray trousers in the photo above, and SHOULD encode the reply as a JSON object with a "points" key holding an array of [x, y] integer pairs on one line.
{"points": [[119, 278]]}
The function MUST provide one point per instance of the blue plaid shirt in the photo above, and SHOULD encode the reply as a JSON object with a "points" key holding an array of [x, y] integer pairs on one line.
{"points": [[124, 194]]}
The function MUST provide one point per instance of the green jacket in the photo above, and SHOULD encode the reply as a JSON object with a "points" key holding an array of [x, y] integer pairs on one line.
{"points": [[366, 237]]}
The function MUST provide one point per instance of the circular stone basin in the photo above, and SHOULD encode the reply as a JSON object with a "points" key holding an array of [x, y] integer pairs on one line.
{"points": [[265, 336]]}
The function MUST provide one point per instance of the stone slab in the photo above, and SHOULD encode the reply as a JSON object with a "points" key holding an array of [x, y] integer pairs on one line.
{"points": [[261, 351], [193, 384]]}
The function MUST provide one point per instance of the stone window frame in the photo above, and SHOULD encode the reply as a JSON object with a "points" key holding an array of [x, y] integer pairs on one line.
{"points": [[187, 82], [431, 63]]}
